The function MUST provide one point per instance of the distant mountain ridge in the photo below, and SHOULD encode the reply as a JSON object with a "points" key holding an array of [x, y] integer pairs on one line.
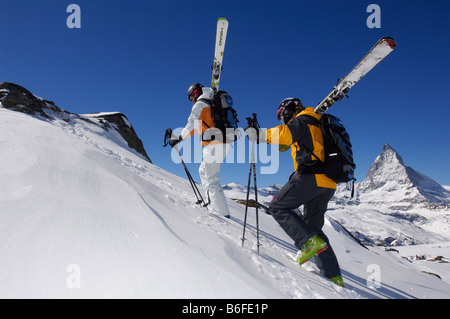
{"points": [[394, 205], [388, 174]]}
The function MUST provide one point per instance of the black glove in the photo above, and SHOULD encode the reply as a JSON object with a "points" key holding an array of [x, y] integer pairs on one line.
{"points": [[175, 140]]}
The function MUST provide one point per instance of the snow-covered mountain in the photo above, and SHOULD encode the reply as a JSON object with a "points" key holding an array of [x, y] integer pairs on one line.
{"points": [[83, 215], [394, 205], [400, 183]]}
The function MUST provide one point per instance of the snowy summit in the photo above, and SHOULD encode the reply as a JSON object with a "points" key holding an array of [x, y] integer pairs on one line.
{"points": [[389, 174]]}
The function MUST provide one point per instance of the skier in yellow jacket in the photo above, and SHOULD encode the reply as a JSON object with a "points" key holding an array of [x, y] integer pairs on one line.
{"points": [[214, 151], [308, 186]]}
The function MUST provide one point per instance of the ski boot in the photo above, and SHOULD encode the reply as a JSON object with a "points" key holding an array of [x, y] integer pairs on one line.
{"points": [[338, 281], [315, 245]]}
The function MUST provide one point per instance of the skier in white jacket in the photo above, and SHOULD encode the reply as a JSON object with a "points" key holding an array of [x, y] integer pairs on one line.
{"points": [[214, 152]]}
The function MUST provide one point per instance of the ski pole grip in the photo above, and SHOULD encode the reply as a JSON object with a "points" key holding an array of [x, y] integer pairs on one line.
{"points": [[249, 122], [255, 121], [167, 136]]}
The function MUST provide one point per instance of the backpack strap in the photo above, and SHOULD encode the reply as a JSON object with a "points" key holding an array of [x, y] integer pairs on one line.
{"points": [[207, 101], [313, 167], [210, 103], [309, 150], [316, 168]]}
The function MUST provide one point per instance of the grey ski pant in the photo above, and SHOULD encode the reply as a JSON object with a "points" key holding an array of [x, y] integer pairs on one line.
{"points": [[303, 190]]}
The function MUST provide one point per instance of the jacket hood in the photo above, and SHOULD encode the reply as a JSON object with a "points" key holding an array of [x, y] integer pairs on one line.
{"points": [[310, 111], [208, 93]]}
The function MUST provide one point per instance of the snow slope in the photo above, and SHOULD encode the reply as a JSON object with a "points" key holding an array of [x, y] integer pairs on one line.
{"points": [[83, 216]]}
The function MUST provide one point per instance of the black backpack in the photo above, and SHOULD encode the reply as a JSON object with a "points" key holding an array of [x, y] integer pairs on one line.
{"points": [[224, 118], [338, 164]]}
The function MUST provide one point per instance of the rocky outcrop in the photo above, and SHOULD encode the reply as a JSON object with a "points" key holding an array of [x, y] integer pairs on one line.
{"points": [[119, 122], [17, 98]]}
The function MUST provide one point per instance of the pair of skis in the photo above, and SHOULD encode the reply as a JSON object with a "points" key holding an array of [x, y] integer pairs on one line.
{"points": [[378, 52], [221, 35]]}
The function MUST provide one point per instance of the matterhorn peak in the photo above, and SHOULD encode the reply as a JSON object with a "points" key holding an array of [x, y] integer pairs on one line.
{"points": [[387, 147], [388, 174], [391, 155], [388, 166]]}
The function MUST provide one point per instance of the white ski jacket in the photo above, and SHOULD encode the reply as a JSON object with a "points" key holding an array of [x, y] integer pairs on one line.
{"points": [[200, 119]]}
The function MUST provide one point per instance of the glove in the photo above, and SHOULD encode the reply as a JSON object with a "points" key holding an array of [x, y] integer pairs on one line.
{"points": [[175, 140], [256, 135]]}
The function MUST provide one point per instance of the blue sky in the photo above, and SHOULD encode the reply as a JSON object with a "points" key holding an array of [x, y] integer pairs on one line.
{"points": [[139, 58]]}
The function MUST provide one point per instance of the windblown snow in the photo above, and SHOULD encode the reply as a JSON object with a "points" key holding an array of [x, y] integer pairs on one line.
{"points": [[84, 216]]}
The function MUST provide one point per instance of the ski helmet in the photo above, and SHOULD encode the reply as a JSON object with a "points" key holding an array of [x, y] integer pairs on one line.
{"points": [[195, 90], [287, 108]]}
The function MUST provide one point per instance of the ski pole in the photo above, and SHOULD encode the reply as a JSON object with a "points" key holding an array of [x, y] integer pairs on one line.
{"points": [[246, 201], [257, 127], [252, 123], [197, 193], [191, 180], [256, 207]]}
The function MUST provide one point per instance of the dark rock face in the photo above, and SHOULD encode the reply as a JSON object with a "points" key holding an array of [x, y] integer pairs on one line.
{"points": [[123, 126], [17, 98]]}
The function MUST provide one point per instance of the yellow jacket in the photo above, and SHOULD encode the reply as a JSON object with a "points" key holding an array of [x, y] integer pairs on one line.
{"points": [[304, 127]]}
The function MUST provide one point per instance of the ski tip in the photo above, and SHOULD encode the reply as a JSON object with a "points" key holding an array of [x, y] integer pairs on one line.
{"points": [[390, 42], [222, 23]]}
